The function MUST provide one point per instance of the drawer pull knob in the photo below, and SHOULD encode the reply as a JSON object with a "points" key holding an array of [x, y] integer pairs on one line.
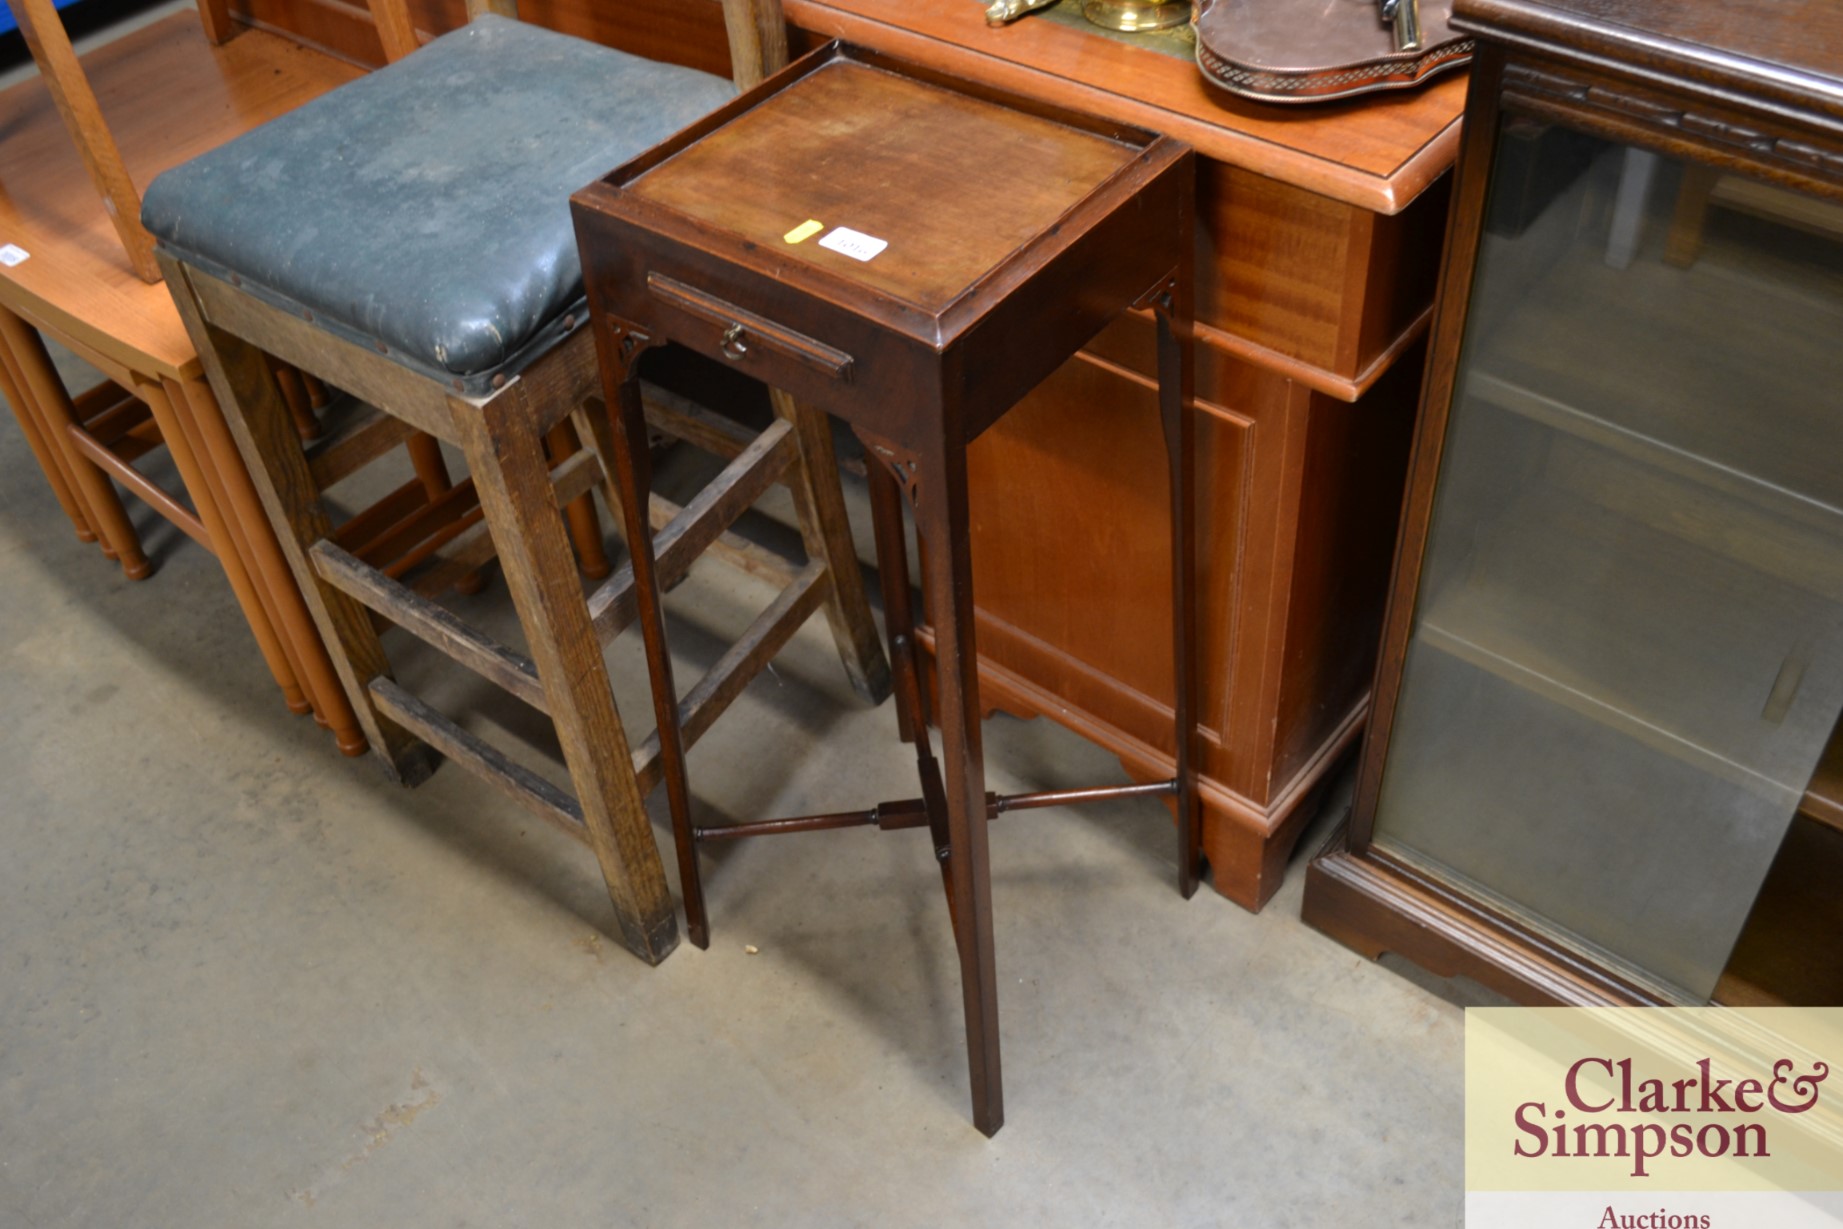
{"points": [[769, 341], [733, 346]]}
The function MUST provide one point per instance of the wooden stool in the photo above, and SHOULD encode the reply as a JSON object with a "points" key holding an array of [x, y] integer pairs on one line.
{"points": [[409, 239], [914, 255]]}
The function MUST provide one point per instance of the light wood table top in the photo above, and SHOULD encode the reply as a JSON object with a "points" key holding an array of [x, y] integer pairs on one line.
{"points": [[168, 95]]}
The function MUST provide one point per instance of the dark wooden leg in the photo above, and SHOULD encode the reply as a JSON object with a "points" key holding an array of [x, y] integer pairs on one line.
{"points": [[819, 505], [912, 720], [253, 412], [633, 476], [898, 601], [941, 509], [505, 455], [1174, 395]]}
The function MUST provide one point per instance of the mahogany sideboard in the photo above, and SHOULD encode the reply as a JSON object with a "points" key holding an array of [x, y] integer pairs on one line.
{"points": [[1318, 248]]}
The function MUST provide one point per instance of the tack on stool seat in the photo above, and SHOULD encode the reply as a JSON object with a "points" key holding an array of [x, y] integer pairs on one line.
{"points": [[408, 238]]}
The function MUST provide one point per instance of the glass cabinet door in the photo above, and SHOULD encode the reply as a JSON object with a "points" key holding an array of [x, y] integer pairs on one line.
{"points": [[1627, 650]]}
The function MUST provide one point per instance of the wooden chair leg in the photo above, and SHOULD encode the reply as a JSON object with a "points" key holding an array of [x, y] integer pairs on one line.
{"points": [[206, 500], [49, 463], [317, 394], [432, 469], [203, 422], [40, 382], [258, 419], [584, 522], [512, 475], [214, 15], [294, 392], [819, 505]]}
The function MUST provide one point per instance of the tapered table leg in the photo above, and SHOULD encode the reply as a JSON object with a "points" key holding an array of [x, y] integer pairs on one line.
{"points": [[1174, 393], [633, 474], [941, 507], [912, 721]]}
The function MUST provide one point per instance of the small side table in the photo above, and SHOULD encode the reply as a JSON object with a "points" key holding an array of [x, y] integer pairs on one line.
{"points": [[912, 253]]}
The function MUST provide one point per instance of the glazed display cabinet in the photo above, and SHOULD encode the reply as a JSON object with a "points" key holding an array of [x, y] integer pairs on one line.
{"points": [[1613, 660]]}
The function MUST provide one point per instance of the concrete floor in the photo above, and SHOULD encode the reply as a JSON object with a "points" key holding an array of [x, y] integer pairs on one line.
{"points": [[244, 981]]}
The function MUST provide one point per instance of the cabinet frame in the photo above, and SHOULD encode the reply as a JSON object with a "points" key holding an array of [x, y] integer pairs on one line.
{"points": [[1684, 100]]}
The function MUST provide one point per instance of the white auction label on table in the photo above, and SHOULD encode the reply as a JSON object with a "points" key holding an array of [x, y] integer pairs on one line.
{"points": [[853, 243], [12, 254]]}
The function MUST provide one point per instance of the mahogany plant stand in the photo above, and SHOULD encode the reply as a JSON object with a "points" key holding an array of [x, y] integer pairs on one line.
{"points": [[985, 238]]}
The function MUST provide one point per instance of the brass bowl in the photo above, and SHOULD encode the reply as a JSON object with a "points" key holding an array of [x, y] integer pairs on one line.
{"points": [[1136, 15]]}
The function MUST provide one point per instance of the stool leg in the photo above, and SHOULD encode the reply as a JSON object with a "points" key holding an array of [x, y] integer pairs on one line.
{"points": [[252, 410], [505, 455], [1174, 389], [633, 476], [941, 510], [819, 505], [56, 415]]}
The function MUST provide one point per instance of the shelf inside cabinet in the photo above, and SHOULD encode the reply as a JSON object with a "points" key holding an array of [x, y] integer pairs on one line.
{"points": [[1672, 361], [1823, 800], [1684, 649], [1776, 530], [1787, 955]]}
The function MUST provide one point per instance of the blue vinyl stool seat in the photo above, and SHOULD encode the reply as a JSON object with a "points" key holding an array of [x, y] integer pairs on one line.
{"points": [[423, 210]]}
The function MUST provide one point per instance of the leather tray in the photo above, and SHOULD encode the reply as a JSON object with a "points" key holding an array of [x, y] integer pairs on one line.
{"points": [[1316, 50]]}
